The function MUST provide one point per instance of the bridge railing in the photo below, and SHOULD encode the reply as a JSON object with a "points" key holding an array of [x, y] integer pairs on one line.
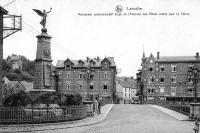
{"points": [[181, 108], [16, 115]]}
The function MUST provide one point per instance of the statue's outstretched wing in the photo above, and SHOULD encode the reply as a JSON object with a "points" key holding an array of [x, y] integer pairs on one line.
{"points": [[39, 12]]}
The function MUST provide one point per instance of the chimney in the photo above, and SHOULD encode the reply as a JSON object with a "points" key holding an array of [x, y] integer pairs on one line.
{"points": [[158, 55], [197, 54], [98, 58], [88, 59]]}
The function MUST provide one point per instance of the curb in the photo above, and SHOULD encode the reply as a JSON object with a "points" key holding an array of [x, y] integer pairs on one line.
{"points": [[61, 123], [164, 110]]}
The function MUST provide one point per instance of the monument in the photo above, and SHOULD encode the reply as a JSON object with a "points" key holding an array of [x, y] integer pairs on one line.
{"points": [[43, 63]]}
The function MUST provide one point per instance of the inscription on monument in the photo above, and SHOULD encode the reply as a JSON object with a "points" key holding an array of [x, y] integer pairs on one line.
{"points": [[47, 75]]}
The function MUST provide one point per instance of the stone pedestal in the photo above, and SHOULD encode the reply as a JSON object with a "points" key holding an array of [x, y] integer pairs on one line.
{"points": [[90, 107], [43, 66], [194, 110]]}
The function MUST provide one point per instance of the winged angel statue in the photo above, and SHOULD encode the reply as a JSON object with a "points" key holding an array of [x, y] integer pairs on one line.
{"points": [[43, 15]]}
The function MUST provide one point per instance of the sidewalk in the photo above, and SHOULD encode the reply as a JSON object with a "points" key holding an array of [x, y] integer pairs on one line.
{"points": [[62, 125], [172, 113]]}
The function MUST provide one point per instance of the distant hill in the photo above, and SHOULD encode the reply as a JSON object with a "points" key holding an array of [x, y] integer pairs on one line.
{"points": [[26, 72]]}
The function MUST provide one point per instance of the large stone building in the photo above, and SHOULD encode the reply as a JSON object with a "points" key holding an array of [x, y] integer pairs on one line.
{"points": [[166, 77], [90, 78]]}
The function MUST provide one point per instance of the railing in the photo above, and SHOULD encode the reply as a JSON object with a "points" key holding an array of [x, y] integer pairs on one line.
{"points": [[181, 108], [12, 115]]}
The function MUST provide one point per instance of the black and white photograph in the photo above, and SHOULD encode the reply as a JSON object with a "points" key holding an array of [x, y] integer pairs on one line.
{"points": [[100, 66]]}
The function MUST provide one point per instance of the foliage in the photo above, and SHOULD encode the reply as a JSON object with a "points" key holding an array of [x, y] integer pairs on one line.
{"points": [[6, 67], [18, 75], [18, 99], [27, 65], [60, 99]]}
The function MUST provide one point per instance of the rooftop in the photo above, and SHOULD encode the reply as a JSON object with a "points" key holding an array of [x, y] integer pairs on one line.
{"points": [[97, 61]]}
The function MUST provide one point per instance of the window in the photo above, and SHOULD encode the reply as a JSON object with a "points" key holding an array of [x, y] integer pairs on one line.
{"points": [[162, 89], [105, 65], [162, 69], [173, 79], [151, 69], [105, 86], [150, 90], [91, 64], [151, 80], [173, 91], [105, 76], [68, 76], [162, 80], [91, 77], [91, 97], [174, 67], [91, 87], [80, 76], [68, 86]]}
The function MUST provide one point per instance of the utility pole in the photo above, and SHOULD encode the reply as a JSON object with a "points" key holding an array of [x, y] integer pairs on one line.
{"points": [[2, 12], [13, 24]]}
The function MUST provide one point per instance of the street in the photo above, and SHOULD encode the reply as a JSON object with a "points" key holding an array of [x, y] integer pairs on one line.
{"points": [[134, 119]]}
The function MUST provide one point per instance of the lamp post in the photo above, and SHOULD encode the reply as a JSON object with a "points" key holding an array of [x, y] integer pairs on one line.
{"points": [[194, 75], [140, 86], [87, 74]]}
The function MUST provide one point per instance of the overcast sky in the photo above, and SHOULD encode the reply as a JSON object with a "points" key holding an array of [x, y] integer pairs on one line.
{"points": [[121, 37]]}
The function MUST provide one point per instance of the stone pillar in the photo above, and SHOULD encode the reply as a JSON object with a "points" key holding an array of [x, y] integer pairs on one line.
{"points": [[194, 110], [43, 78]]}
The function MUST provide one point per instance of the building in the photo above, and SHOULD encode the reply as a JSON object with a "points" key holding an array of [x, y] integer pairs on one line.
{"points": [[166, 77], [16, 62], [126, 89], [90, 78]]}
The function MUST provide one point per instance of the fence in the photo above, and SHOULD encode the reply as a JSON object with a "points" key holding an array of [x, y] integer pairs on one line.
{"points": [[10, 115], [181, 108]]}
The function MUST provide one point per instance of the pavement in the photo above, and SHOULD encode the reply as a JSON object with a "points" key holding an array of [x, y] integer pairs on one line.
{"points": [[134, 118], [172, 113], [61, 125]]}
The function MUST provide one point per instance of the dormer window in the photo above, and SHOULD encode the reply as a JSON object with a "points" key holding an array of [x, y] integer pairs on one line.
{"points": [[81, 63], [92, 63], [105, 65], [68, 64]]}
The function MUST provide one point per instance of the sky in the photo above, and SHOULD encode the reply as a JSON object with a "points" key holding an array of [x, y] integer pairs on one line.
{"points": [[141, 27]]}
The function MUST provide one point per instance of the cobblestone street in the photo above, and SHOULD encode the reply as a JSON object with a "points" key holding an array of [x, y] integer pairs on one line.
{"points": [[134, 119]]}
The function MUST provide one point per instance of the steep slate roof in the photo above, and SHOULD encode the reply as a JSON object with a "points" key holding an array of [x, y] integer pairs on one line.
{"points": [[129, 83], [60, 63], [178, 59], [4, 11]]}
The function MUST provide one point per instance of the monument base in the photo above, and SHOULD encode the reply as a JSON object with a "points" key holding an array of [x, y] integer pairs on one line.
{"points": [[194, 111], [35, 93]]}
